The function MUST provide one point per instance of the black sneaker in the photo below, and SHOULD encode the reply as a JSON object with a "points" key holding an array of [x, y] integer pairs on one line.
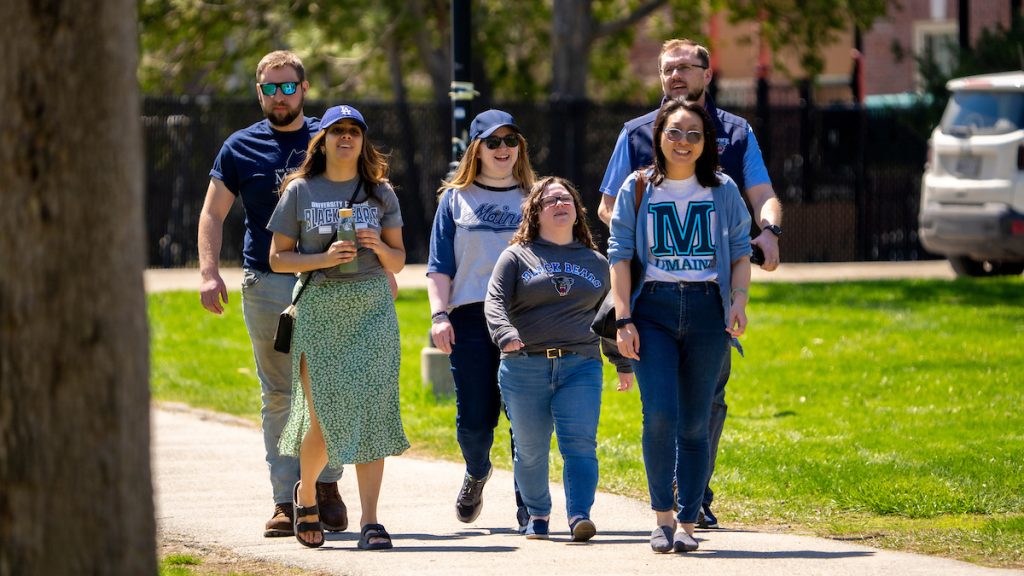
{"points": [[523, 518], [705, 519], [470, 501]]}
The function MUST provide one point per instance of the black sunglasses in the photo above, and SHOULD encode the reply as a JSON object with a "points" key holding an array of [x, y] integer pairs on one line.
{"points": [[493, 142], [692, 136], [270, 88]]}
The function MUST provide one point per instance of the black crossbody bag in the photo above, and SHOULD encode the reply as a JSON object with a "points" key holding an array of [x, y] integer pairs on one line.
{"points": [[604, 321]]}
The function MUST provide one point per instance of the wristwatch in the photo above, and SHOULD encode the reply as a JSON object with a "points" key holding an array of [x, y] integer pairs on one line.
{"points": [[777, 230]]}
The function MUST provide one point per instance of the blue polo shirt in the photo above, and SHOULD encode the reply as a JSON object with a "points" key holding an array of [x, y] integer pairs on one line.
{"points": [[738, 151], [252, 163]]}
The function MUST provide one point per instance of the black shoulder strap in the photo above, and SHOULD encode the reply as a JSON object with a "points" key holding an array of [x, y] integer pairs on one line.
{"points": [[355, 194]]}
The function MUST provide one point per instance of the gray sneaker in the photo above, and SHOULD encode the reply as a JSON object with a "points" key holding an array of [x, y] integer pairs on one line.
{"points": [[470, 501]]}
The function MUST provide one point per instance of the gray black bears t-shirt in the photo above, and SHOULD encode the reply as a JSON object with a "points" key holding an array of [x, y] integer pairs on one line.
{"points": [[308, 212]]}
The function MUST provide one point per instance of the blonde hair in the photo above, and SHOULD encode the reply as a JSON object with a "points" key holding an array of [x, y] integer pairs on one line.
{"points": [[280, 59], [469, 167], [529, 228]]}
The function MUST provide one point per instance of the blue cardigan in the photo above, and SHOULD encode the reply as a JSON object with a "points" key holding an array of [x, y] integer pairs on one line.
{"points": [[733, 228]]}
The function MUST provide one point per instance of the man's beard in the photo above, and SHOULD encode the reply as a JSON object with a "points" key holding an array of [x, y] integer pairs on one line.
{"points": [[283, 118], [694, 95]]}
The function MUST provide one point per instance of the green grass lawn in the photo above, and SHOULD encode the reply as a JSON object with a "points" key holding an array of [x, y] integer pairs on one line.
{"points": [[886, 411]]}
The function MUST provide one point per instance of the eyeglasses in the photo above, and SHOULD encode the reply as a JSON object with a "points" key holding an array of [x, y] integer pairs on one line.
{"points": [[551, 201], [270, 88], [494, 142], [692, 136], [682, 69]]}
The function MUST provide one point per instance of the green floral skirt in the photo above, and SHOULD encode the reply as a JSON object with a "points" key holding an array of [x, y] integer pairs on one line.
{"points": [[348, 333]]}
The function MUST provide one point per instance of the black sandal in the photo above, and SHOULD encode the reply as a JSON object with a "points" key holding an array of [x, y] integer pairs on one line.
{"points": [[371, 531], [300, 511]]}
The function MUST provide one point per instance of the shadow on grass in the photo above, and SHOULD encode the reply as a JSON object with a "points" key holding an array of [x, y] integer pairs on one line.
{"points": [[889, 294]]}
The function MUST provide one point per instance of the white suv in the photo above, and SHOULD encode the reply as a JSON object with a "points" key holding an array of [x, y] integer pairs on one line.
{"points": [[972, 193]]}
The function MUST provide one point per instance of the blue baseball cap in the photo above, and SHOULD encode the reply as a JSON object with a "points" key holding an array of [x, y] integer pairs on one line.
{"points": [[487, 122], [336, 114]]}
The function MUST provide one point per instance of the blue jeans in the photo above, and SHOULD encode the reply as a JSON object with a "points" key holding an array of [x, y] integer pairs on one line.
{"points": [[564, 393], [719, 409], [264, 296], [683, 344]]}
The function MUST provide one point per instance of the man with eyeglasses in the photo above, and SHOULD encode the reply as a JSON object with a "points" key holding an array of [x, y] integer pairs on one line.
{"points": [[684, 68], [251, 164]]}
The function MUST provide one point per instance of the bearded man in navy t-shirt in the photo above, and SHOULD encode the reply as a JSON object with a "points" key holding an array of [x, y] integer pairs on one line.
{"points": [[251, 164]]}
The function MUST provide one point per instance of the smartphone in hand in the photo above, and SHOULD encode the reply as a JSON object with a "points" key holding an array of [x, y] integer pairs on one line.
{"points": [[757, 256]]}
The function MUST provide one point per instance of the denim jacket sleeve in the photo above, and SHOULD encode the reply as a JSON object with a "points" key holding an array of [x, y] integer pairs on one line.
{"points": [[622, 228]]}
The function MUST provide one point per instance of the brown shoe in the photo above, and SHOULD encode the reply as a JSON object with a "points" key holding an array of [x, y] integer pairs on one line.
{"points": [[281, 523], [333, 513]]}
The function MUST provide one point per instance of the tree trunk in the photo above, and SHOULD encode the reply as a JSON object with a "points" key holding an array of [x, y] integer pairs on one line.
{"points": [[570, 41], [75, 488]]}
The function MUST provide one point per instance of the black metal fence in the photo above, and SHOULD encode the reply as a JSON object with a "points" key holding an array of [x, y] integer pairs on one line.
{"points": [[848, 178]]}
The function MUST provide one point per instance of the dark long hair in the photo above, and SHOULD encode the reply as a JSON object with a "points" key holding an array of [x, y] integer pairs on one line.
{"points": [[707, 163], [373, 164], [529, 228]]}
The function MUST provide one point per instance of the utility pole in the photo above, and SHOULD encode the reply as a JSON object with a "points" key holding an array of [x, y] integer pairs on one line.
{"points": [[462, 92], [964, 17]]}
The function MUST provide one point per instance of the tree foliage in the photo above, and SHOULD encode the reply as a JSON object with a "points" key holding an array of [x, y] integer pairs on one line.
{"points": [[399, 49], [804, 27]]}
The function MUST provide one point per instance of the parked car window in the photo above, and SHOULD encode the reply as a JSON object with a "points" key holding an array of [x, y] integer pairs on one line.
{"points": [[975, 112]]}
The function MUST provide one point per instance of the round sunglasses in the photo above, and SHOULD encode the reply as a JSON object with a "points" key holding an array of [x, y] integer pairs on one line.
{"points": [[270, 88], [692, 136], [493, 142]]}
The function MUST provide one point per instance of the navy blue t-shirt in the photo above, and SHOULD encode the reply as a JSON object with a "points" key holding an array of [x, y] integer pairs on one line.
{"points": [[252, 163]]}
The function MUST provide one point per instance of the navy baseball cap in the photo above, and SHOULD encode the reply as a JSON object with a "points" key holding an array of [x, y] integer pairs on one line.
{"points": [[487, 122], [336, 114]]}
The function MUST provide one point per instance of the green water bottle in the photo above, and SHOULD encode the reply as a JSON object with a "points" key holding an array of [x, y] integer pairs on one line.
{"points": [[347, 231]]}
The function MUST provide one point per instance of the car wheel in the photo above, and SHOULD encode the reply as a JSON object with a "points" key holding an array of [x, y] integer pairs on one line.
{"points": [[967, 266], [1008, 268]]}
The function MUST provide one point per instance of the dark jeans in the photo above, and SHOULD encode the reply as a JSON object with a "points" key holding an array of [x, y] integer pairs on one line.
{"points": [[683, 345], [717, 423], [475, 361]]}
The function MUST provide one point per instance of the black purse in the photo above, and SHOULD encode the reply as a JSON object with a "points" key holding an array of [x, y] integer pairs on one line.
{"points": [[604, 321], [286, 322]]}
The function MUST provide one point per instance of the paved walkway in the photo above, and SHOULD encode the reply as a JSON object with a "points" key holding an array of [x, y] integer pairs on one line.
{"points": [[414, 275], [212, 487]]}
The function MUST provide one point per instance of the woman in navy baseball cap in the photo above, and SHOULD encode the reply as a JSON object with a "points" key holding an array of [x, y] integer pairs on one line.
{"points": [[479, 209], [345, 348]]}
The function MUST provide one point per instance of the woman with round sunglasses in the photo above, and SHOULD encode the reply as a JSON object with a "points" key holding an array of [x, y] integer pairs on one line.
{"points": [[479, 209], [345, 347], [550, 372], [691, 236]]}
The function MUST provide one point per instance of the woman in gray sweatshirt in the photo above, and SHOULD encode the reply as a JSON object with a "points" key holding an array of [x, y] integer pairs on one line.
{"points": [[541, 300]]}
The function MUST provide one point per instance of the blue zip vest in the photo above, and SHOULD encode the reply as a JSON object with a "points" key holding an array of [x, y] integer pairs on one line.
{"points": [[731, 132]]}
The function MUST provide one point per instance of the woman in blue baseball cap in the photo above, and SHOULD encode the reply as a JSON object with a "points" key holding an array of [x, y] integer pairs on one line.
{"points": [[478, 211], [345, 348]]}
